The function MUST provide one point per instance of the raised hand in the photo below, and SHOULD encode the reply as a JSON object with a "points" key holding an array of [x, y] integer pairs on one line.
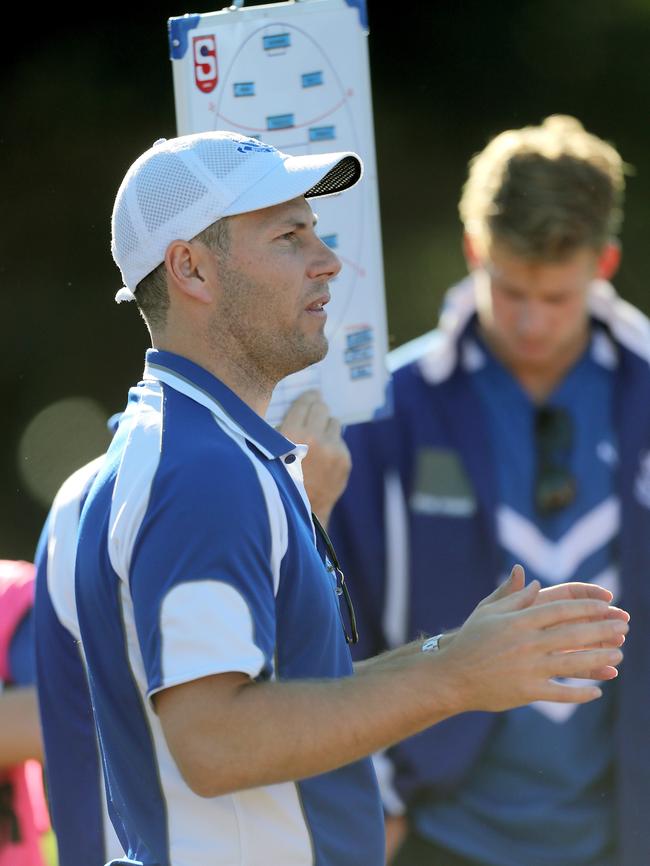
{"points": [[327, 466], [520, 638]]}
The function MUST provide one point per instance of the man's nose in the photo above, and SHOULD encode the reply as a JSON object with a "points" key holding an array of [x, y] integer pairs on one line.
{"points": [[532, 319], [326, 264]]}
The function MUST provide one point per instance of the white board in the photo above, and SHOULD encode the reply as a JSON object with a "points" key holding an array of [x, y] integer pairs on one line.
{"points": [[296, 75]]}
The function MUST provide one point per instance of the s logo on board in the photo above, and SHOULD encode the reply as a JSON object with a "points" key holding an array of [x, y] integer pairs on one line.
{"points": [[205, 63]]}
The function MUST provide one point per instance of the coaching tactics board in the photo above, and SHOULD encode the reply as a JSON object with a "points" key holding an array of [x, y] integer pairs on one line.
{"points": [[296, 75]]}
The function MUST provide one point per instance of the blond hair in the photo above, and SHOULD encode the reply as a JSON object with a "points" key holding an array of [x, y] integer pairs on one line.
{"points": [[544, 191]]}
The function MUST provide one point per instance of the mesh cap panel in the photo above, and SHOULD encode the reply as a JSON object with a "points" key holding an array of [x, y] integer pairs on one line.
{"points": [[126, 239], [217, 160], [152, 190]]}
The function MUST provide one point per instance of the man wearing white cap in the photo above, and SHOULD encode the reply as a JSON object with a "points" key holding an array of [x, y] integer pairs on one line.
{"points": [[233, 727]]}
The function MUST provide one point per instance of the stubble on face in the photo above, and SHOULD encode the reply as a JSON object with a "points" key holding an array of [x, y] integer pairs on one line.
{"points": [[242, 328], [269, 290]]}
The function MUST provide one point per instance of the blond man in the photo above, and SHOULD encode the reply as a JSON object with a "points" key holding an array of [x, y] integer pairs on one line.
{"points": [[521, 433]]}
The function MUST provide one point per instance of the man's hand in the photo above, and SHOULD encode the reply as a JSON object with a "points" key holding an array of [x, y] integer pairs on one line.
{"points": [[327, 466], [520, 638], [561, 592]]}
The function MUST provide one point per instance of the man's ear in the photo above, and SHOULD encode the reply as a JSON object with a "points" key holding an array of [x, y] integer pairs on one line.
{"points": [[186, 262], [471, 252], [608, 260]]}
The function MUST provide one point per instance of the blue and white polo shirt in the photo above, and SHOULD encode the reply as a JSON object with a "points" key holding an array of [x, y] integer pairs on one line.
{"points": [[197, 556]]}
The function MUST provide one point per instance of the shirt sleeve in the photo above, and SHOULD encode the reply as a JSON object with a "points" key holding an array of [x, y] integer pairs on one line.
{"points": [[200, 578]]}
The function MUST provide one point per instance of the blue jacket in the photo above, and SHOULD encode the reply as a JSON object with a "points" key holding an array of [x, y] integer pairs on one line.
{"points": [[412, 572]]}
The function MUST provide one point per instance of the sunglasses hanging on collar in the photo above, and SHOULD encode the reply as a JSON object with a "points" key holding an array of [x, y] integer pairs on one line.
{"points": [[555, 485]]}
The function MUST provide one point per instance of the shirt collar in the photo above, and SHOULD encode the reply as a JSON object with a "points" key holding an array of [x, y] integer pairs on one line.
{"points": [[198, 384]]}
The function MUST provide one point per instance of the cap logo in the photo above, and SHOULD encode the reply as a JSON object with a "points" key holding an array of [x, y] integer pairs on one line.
{"points": [[250, 145]]}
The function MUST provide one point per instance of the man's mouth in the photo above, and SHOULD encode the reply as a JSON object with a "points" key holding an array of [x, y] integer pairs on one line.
{"points": [[317, 305]]}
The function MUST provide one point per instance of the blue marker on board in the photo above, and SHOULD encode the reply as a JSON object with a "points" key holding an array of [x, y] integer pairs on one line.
{"points": [[311, 79], [322, 133], [280, 121], [276, 40], [331, 241], [244, 88]]}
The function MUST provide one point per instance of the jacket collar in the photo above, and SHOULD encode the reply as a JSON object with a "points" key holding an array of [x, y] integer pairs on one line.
{"points": [[627, 325]]}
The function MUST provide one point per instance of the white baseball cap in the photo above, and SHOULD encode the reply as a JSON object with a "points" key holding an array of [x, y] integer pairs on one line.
{"points": [[182, 185]]}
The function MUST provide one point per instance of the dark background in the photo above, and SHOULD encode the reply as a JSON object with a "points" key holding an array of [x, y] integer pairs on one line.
{"points": [[83, 94]]}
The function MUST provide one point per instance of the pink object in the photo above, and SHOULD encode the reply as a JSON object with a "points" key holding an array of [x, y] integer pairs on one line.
{"points": [[23, 810]]}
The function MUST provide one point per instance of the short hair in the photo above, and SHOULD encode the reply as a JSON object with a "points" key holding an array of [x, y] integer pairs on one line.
{"points": [[151, 293], [545, 191]]}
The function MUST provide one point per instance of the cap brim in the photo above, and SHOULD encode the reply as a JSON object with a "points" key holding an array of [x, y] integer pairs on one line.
{"points": [[311, 175]]}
